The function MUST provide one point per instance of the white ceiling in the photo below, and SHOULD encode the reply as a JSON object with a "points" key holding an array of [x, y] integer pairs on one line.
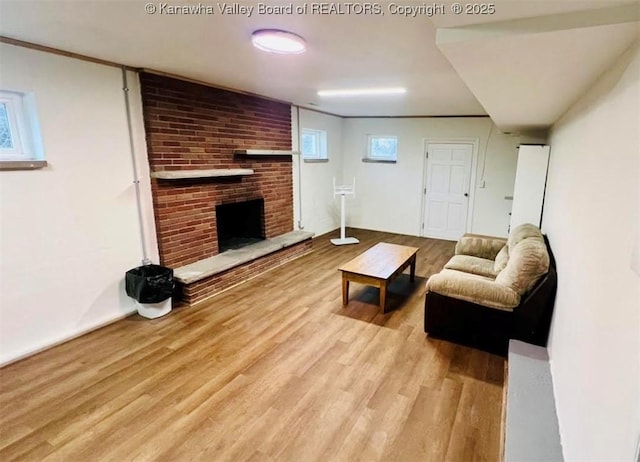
{"points": [[526, 73], [343, 51]]}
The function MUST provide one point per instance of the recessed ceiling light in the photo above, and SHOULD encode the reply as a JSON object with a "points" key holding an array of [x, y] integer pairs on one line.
{"points": [[363, 92], [278, 41]]}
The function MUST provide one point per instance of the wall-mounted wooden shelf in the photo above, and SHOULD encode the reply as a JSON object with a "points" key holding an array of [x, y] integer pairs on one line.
{"points": [[212, 173], [264, 152]]}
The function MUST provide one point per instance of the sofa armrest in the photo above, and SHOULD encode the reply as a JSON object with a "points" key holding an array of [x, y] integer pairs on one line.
{"points": [[480, 246], [474, 289]]}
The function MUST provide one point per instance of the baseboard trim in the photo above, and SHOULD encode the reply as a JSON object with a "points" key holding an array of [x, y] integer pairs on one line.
{"points": [[67, 339], [503, 415]]}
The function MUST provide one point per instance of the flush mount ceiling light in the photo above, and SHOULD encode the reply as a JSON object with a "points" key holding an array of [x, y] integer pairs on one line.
{"points": [[278, 41], [363, 92]]}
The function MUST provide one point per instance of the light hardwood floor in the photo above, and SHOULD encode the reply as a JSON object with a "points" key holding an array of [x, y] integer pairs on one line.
{"points": [[275, 369]]}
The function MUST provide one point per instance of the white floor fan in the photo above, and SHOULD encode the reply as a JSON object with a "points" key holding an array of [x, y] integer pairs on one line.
{"points": [[343, 191]]}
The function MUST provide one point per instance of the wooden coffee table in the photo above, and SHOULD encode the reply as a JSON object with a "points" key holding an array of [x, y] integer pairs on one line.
{"points": [[378, 267]]}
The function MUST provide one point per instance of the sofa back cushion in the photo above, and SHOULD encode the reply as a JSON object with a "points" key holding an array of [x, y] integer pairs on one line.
{"points": [[521, 232], [479, 246], [528, 261]]}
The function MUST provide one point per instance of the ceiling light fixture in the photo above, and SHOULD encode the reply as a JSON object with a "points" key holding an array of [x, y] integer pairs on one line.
{"points": [[363, 92], [278, 41]]}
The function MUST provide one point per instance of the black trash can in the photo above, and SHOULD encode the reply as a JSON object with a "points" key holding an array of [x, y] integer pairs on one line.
{"points": [[151, 286]]}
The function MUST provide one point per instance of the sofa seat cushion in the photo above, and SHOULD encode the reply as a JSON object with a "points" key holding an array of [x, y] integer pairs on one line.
{"points": [[528, 262], [473, 288], [473, 265]]}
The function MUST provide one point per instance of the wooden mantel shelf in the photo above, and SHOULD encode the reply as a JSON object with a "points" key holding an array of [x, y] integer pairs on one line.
{"points": [[212, 173], [264, 152]]}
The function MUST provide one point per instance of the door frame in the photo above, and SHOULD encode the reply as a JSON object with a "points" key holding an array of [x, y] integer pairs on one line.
{"points": [[474, 142]]}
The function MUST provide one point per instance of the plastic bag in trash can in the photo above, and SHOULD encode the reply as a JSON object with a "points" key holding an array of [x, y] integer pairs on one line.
{"points": [[149, 283]]}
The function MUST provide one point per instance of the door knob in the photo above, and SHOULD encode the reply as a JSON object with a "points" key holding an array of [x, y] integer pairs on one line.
{"points": [[466, 194]]}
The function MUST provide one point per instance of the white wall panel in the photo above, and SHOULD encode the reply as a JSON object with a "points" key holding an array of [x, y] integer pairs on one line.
{"points": [[69, 231], [591, 216]]}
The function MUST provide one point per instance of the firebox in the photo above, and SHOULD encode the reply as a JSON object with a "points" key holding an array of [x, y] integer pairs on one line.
{"points": [[239, 224]]}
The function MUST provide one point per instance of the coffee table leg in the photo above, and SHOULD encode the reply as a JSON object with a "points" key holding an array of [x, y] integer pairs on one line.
{"points": [[345, 289], [412, 274], [383, 295]]}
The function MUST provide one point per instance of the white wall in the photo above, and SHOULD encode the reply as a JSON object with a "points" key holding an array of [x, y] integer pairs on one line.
{"points": [[69, 231], [320, 210], [591, 216], [389, 196]]}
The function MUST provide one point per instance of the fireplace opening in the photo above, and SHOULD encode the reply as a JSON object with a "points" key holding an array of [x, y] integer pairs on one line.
{"points": [[239, 224]]}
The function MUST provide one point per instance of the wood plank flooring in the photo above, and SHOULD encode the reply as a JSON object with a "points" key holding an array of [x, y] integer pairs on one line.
{"points": [[275, 369]]}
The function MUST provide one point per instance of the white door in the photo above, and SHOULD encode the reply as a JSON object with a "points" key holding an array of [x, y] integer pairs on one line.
{"points": [[446, 201], [528, 192]]}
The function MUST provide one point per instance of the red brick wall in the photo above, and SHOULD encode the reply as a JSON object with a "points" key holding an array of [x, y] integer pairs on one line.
{"points": [[191, 126]]}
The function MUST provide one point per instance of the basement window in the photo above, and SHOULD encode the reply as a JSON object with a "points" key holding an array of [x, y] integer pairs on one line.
{"points": [[20, 140], [313, 145], [382, 148]]}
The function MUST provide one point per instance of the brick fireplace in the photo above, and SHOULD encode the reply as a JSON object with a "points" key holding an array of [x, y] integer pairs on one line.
{"points": [[195, 127]]}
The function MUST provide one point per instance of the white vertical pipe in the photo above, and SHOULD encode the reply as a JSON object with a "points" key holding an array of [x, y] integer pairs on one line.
{"points": [[343, 233], [300, 226], [136, 179]]}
